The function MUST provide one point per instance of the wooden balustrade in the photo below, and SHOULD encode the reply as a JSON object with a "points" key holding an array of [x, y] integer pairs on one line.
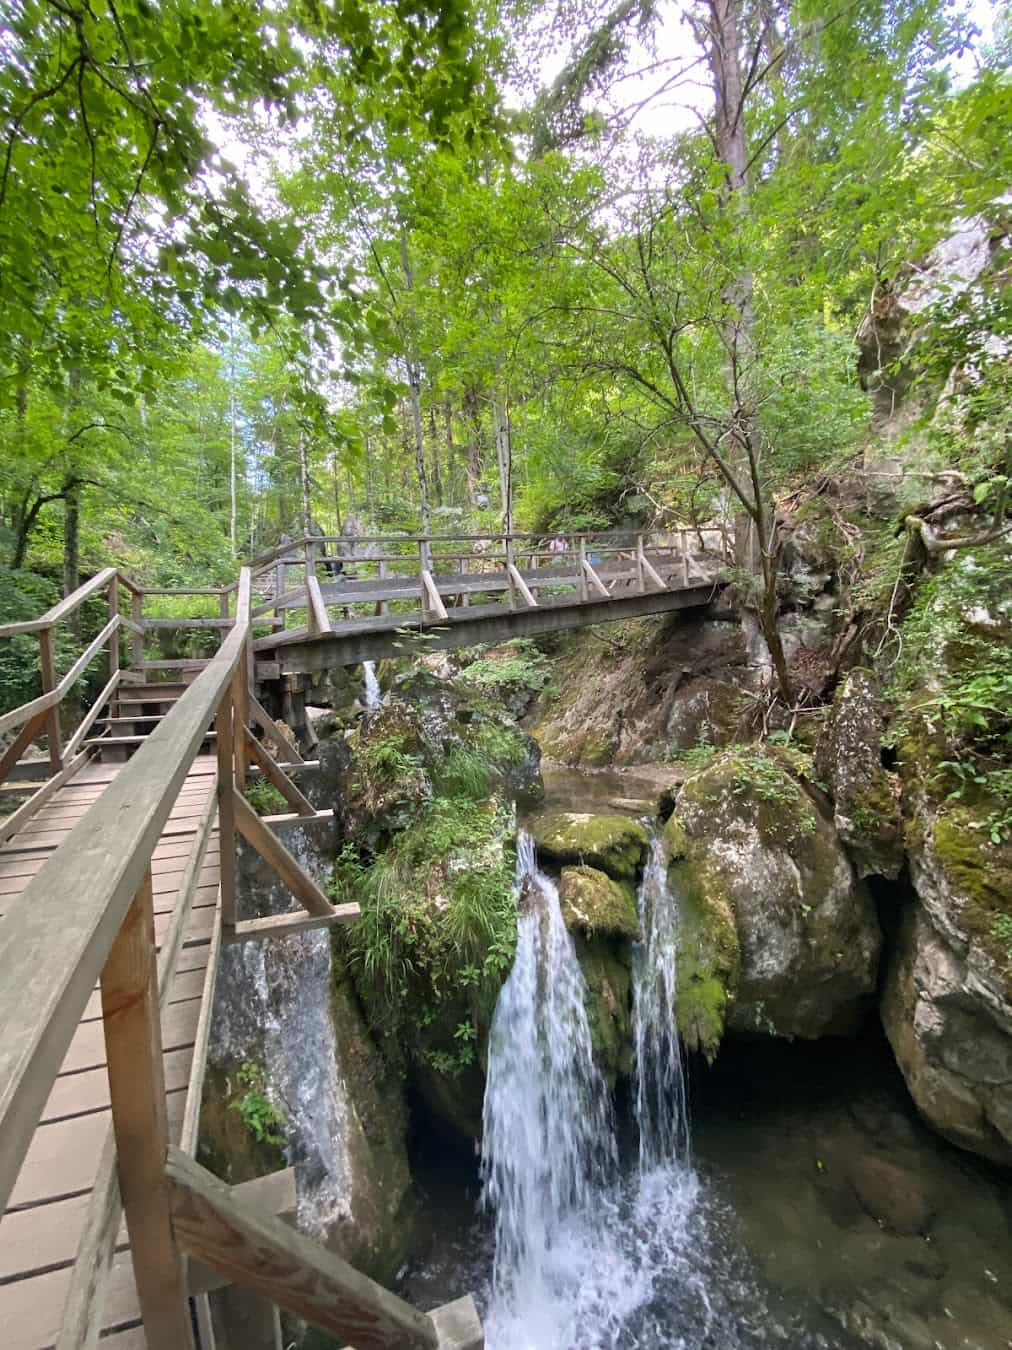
{"points": [[52, 955]]}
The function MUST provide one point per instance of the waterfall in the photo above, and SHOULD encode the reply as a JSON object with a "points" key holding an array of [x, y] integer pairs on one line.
{"points": [[371, 691], [586, 1254], [661, 1105], [548, 1140]]}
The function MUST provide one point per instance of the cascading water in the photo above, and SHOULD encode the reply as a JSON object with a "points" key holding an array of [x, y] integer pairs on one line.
{"points": [[372, 697], [548, 1137], [587, 1254], [661, 1106]]}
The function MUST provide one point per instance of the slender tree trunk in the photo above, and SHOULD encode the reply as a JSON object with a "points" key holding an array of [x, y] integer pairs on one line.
{"points": [[437, 473], [504, 456], [451, 451], [473, 469], [335, 467], [231, 438], [307, 515], [756, 544], [71, 490], [414, 372]]}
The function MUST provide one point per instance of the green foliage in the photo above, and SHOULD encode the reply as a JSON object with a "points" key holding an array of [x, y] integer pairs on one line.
{"points": [[265, 1121], [438, 924], [519, 665], [1002, 932], [265, 798]]}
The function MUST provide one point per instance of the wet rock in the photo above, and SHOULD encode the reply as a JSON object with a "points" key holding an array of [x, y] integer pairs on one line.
{"points": [[753, 845], [606, 972], [616, 845], [952, 1043], [593, 904], [891, 1194], [848, 759]]}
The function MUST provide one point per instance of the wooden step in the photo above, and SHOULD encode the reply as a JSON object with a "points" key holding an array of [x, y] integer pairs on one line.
{"points": [[171, 697], [131, 721], [108, 742]]}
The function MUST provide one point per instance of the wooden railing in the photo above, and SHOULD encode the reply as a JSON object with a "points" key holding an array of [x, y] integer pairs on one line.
{"points": [[42, 716], [427, 571], [53, 952]]}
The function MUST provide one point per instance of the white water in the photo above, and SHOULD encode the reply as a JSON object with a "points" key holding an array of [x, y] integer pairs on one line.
{"points": [[585, 1257], [662, 1112], [371, 691]]}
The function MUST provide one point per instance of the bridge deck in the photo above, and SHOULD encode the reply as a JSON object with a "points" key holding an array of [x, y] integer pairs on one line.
{"points": [[42, 1225]]}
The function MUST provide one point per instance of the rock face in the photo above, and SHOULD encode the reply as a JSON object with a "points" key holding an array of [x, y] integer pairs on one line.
{"points": [[848, 760], [658, 690], [295, 1077], [752, 848], [616, 845]]}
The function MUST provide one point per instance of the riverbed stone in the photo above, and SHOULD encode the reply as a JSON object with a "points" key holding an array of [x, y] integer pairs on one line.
{"points": [[755, 846], [616, 845], [592, 903], [891, 1194]]}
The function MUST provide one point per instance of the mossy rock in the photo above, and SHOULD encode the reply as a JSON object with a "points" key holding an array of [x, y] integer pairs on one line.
{"points": [[755, 848], [708, 962], [613, 844], [607, 975], [227, 1144], [592, 903]]}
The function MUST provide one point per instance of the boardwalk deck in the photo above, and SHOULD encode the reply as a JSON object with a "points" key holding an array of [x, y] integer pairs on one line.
{"points": [[42, 1225]]}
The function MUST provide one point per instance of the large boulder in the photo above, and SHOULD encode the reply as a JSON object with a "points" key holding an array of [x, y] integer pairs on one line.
{"points": [[866, 797], [752, 844], [616, 845]]}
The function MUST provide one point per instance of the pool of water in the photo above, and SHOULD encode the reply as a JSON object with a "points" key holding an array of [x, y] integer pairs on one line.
{"points": [[763, 1240]]}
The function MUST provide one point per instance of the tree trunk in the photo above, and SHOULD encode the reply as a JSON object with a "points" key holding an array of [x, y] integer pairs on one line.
{"points": [[231, 438], [473, 468], [504, 457], [756, 547], [437, 475], [451, 467], [414, 373]]}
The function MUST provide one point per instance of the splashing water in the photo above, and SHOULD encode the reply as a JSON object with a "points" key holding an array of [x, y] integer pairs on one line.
{"points": [[583, 1255], [371, 690], [548, 1135], [661, 1105]]}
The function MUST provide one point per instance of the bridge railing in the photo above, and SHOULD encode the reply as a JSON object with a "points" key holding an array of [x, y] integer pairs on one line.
{"points": [[424, 574], [87, 916], [43, 716]]}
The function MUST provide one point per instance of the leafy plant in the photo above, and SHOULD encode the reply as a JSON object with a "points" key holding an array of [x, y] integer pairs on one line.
{"points": [[265, 1121], [265, 798]]}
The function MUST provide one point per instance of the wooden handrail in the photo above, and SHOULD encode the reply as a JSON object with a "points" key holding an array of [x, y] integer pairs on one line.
{"points": [[52, 954]]}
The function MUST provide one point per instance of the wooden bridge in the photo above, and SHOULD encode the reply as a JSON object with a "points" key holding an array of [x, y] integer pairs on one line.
{"points": [[118, 892]]}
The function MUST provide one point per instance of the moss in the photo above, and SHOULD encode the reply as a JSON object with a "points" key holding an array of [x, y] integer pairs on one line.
{"points": [[709, 957], [614, 844], [607, 976], [596, 751], [227, 1145], [980, 874], [674, 838], [593, 903]]}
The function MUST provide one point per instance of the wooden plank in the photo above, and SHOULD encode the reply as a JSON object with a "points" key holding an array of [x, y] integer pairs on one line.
{"points": [[283, 925], [286, 821], [137, 1089], [596, 584], [32, 713], [91, 715], [263, 1254], [274, 1194], [317, 609], [67, 606], [52, 954], [27, 810], [273, 851], [268, 766], [522, 586], [87, 656], [432, 602], [458, 1326], [201, 1040], [262, 718], [49, 683], [79, 1094]]}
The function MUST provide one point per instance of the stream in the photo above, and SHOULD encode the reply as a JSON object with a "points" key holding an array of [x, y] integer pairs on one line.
{"points": [[716, 1209]]}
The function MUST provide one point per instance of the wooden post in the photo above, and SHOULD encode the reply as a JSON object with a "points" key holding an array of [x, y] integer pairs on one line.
{"points": [[48, 685], [137, 645], [422, 569], [133, 1038], [509, 573], [683, 544], [383, 606], [113, 640], [584, 595], [641, 581], [224, 725]]}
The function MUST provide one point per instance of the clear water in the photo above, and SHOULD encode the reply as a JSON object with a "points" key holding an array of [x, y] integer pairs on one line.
{"points": [[371, 695]]}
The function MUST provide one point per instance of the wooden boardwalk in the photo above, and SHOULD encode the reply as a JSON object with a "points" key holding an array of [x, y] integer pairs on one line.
{"points": [[48, 1207]]}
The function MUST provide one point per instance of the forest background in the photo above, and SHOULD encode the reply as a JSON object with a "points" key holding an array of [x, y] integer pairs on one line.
{"points": [[616, 254]]}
